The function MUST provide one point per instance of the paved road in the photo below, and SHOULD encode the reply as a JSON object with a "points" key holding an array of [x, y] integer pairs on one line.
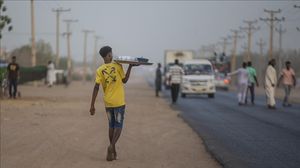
{"points": [[244, 136]]}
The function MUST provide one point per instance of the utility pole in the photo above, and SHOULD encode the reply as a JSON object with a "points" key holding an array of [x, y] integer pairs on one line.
{"points": [[249, 30], [86, 32], [261, 45], [233, 57], [33, 50], [95, 52], [271, 19], [225, 43], [68, 34], [245, 48], [261, 63], [280, 32], [297, 6], [58, 11]]}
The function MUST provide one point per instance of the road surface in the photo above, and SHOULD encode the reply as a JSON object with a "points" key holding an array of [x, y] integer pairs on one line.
{"points": [[244, 136]]}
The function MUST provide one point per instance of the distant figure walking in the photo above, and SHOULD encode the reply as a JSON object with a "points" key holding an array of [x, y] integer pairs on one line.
{"points": [[175, 78], [158, 76], [289, 80], [270, 84], [13, 75], [251, 82], [51, 74], [242, 84]]}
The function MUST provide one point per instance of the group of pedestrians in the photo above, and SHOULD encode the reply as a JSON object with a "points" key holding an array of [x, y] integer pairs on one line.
{"points": [[246, 82], [247, 79]]}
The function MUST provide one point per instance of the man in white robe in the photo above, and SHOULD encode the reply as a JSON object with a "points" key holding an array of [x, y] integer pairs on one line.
{"points": [[51, 78], [242, 84], [270, 84]]}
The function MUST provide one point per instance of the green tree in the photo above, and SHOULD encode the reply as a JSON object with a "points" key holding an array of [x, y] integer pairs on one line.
{"points": [[44, 54], [4, 19]]}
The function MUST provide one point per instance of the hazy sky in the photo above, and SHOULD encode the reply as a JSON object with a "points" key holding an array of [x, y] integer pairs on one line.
{"points": [[147, 28]]}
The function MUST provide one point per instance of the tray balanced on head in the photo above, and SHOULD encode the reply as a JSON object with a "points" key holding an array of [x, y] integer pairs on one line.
{"points": [[132, 60]]}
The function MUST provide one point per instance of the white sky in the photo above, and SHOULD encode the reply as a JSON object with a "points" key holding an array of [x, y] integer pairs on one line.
{"points": [[147, 28]]}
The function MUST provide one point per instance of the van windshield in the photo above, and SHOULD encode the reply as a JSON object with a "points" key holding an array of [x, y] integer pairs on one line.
{"points": [[198, 69]]}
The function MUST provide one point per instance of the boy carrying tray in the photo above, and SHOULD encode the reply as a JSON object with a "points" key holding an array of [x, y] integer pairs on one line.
{"points": [[112, 78]]}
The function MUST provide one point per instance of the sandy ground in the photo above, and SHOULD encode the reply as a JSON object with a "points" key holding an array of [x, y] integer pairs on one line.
{"points": [[51, 128]]}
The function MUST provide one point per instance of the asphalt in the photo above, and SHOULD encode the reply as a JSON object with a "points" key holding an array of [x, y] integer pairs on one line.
{"points": [[244, 136]]}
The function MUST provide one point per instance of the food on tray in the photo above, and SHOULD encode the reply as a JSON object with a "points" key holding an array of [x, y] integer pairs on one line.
{"points": [[141, 59], [132, 60], [125, 58]]}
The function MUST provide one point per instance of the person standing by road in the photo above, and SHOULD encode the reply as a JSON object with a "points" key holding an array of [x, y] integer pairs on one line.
{"points": [[13, 75], [175, 78], [251, 82], [51, 78], [289, 80], [158, 77], [242, 84], [112, 78], [270, 84]]}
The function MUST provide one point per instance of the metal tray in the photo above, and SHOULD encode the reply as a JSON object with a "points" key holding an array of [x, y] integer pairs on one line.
{"points": [[133, 62]]}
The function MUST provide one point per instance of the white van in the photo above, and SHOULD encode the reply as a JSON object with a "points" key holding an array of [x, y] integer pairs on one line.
{"points": [[198, 78]]}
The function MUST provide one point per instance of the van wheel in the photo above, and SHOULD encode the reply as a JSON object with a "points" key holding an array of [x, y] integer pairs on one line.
{"points": [[211, 95], [183, 95]]}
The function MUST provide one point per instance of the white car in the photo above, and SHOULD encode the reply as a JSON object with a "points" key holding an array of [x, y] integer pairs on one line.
{"points": [[198, 78], [222, 81]]}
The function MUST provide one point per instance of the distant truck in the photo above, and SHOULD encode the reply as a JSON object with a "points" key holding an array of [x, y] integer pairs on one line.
{"points": [[170, 57]]}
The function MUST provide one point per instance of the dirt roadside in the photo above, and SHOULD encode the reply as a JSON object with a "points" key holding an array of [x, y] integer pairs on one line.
{"points": [[51, 128]]}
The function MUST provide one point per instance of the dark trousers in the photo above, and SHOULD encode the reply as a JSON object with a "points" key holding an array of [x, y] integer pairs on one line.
{"points": [[12, 86], [287, 91], [174, 92], [252, 94]]}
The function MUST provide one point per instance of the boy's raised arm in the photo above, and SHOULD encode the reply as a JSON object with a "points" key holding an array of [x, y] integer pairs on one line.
{"points": [[94, 96], [124, 80]]}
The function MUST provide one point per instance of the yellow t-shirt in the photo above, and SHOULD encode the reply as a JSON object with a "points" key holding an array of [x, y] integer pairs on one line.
{"points": [[110, 77]]}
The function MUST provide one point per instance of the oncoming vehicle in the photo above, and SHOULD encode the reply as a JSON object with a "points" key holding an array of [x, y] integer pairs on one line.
{"points": [[198, 78], [222, 81]]}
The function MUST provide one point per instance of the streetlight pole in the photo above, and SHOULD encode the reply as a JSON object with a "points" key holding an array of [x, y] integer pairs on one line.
{"points": [[58, 11], [95, 53], [86, 32], [68, 34], [33, 50]]}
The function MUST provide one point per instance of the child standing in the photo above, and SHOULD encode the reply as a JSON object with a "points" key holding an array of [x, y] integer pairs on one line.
{"points": [[112, 78]]}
